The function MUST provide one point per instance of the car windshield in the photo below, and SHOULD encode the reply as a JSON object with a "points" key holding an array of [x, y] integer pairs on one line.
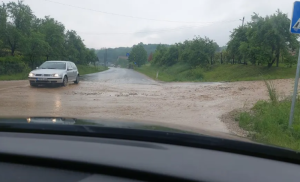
{"points": [[53, 65], [225, 68]]}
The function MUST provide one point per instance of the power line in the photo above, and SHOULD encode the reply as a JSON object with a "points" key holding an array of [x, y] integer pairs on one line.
{"points": [[165, 30], [137, 32], [128, 16]]}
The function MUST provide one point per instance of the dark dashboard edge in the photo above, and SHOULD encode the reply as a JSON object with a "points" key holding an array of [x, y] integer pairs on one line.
{"points": [[196, 141], [87, 167]]}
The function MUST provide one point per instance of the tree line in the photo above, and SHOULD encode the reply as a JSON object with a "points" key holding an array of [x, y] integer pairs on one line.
{"points": [[262, 41], [33, 40], [114, 53]]}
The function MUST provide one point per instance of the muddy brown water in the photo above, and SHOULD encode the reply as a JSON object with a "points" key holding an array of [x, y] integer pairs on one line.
{"points": [[125, 94]]}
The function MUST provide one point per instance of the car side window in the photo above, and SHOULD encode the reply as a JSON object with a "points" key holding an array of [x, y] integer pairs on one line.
{"points": [[69, 65], [74, 66]]}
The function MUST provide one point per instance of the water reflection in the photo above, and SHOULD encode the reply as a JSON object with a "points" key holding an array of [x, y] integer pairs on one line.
{"points": [[49, 120], [57, 102]]}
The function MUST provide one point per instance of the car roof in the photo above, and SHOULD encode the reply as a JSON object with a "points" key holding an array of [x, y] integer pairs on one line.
{"points": [[61, 61]]}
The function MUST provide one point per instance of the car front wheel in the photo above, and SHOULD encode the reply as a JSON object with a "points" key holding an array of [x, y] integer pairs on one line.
{"points": [[65, 81], [33, 84], [77, 79]]}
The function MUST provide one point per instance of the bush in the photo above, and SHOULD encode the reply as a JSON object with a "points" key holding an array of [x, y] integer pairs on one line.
{"points": [[12, 65]]}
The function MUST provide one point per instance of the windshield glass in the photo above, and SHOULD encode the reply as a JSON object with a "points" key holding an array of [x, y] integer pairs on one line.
{"points": [[226, 67], [53, 65]]}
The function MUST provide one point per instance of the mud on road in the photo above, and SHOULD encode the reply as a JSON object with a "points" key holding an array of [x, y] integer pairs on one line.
{"points": [[197, 105]]}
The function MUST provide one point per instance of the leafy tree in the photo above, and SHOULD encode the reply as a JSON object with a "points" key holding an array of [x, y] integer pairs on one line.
{"points": [[150, 57], [212, 48], [34, 47], [263, 40], [19, 26], [75, 50], [21, 16], [91, 56], [171, 56], [3, 20], [13, 38], [159, 55], [54, 36], [114, 53], [285, 41], [37, 39], [197, 52], [236, 38], [138, 55], [217, 57]]}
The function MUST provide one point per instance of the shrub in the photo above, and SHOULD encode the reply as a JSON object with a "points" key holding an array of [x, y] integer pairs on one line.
{"points": [[12, 65]]}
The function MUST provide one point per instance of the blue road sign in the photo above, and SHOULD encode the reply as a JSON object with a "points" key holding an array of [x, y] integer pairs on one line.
{"points": [[295, 28], [295, 23], [127, 54]]}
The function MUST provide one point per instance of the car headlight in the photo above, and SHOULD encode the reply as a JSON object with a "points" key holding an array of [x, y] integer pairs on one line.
{"points": [[56, 75], [31, 74]]}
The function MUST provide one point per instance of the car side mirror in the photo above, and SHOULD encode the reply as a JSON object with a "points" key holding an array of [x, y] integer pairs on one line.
{"points": [[69, 69]]}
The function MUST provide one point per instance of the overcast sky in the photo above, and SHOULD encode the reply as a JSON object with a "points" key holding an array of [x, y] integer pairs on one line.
{"points": [[172, 20]]}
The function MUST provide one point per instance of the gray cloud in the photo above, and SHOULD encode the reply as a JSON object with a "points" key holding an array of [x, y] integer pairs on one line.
{"points": [[105, 30]]}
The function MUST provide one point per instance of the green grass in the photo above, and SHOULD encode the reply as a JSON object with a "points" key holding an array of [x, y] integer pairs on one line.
{"points": [[268, 123], [177, 72], [247, 73], [83, 69], [18, 76], [228, 72]]}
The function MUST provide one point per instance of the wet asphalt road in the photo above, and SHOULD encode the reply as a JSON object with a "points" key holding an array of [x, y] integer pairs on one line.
{"points": [[119, 76]]}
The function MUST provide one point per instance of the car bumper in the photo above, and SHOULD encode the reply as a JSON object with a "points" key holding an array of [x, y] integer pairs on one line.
{"points": [[45, 80]]}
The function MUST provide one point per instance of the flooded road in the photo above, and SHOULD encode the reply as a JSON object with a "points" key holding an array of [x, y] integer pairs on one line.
{"points": [[119, 76], [125, 94]]}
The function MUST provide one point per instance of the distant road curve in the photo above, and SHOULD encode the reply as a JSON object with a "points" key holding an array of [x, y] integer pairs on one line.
{"points": [[120, 76]]}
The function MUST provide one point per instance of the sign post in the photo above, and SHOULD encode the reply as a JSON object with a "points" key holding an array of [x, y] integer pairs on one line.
{"points": [[295, 28]]}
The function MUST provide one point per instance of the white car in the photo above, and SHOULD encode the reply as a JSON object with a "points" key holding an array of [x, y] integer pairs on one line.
{"points": [[54, 72]]}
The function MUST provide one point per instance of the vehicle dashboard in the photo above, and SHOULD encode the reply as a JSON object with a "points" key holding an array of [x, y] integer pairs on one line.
{"points": [[33, 157]]}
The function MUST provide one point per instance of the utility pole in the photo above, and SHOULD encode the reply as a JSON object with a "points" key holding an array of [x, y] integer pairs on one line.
{"points": [[221, 58], [105, 57], [243, 21]]}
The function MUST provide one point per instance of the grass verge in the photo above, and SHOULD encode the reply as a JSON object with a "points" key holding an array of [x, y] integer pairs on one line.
{"points": [[83, 69], [247, 73], [17, 76], [268, 121], [183, 72], [177, 72]]}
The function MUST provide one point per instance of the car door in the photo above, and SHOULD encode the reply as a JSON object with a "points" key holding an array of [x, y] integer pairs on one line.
{"points": [[70, 72], [75, 70]]}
